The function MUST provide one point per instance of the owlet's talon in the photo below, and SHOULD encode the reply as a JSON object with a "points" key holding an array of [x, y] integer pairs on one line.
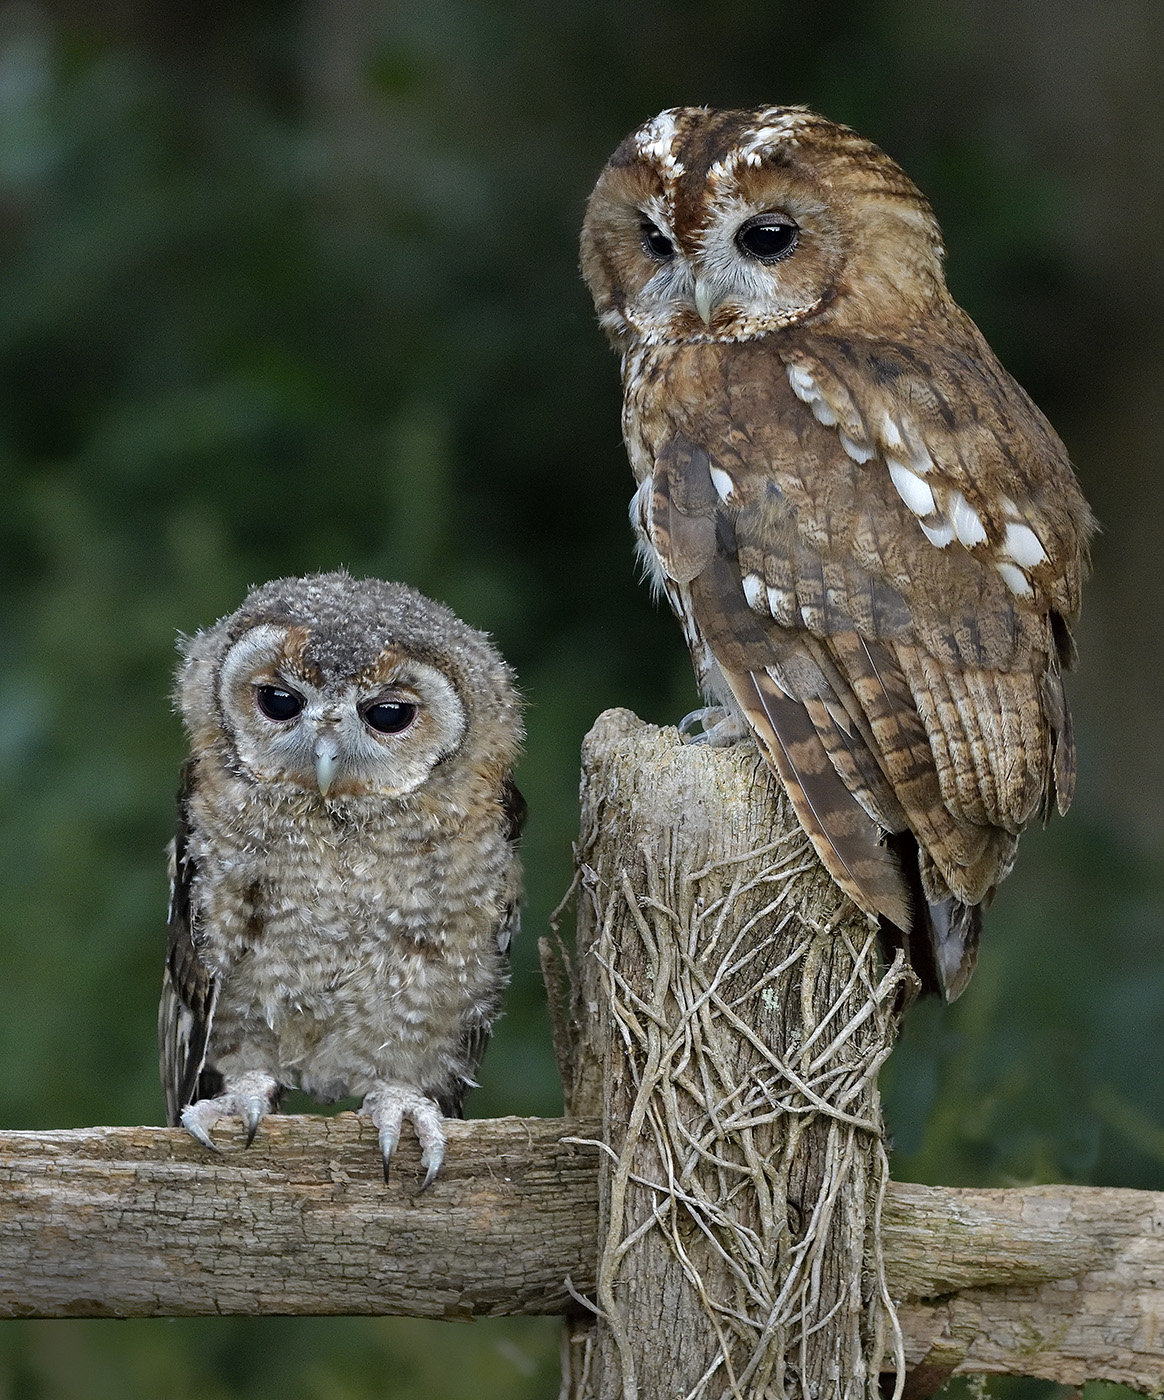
{"points": [[388, 1105], [192, 1121], [248, 1097]]}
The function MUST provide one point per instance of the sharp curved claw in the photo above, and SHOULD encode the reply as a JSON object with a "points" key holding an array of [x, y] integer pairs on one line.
{"points": [[193, 1125], [389, 1137], [721, 727], [388, 1105], [706, 718], [431, 1160], [252, 1117], [250, 1097]]}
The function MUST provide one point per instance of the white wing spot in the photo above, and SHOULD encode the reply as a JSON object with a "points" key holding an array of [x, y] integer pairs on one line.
{"points": [[803, 384], [779, 602], [1023, 546], [940, 533], [1015, 579], [861, 452], [920, 460], [754, 592], [911, 488], [892, 433], [823, 413], [724, 485], [965, 520]]}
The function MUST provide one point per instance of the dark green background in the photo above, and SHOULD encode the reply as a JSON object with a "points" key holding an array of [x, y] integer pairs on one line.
{"points": [[289, 286]]}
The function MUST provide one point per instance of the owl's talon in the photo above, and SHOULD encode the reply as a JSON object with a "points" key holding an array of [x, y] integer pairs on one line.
{"points": [[249, 1098], [388, 1105], [705, 717], [721, 727]]}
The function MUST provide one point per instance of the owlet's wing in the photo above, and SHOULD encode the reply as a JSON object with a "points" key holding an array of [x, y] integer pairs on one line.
{"points": [[189, 990]]}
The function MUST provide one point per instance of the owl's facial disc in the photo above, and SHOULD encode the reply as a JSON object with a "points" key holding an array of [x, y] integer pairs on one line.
{"points": [[377, 733], [760, 256], [765, 239]]}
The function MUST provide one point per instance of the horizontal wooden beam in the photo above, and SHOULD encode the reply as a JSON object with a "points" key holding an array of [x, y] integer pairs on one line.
{"points": [[1062, 1282], [143, 1222], [1055, 1281]]}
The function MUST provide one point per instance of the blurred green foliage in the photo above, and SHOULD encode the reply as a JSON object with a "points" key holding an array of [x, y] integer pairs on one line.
{"points": [[284, 287]]}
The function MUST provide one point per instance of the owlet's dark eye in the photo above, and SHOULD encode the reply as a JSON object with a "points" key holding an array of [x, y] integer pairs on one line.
{"points": [[656, 244], [767, 237], [389, 716], [278, 704]]}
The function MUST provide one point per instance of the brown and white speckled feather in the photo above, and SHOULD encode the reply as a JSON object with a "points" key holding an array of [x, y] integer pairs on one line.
{"points": [[352, 940], [873, 538]]}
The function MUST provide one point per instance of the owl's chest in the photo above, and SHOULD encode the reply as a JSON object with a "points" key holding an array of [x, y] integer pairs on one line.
{"points": [[339, 949], [679, 389], [305, 902]]}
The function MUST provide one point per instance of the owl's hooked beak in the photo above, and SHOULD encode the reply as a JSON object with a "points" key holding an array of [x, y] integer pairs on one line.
{"points": [[327, 758], [705, 300]]}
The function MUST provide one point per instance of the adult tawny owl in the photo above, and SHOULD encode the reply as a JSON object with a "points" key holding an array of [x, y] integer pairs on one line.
{"points": [[345, 878], [872, 537]]}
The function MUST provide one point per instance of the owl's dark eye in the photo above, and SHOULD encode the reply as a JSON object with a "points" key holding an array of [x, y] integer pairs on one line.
{"points": [[278, 704], [767, 237], [389, 716], [656, 244]]}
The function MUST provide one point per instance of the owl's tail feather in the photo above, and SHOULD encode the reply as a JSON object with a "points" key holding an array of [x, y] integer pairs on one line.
{"points": [[846, 838], [941, 943], [954, 930]]}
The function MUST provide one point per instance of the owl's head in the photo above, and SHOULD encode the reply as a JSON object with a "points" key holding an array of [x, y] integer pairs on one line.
{"points": [[347, 688], [709, 225]]}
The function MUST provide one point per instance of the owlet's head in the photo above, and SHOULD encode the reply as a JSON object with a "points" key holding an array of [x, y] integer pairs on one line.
{"points": [[346, 688]]}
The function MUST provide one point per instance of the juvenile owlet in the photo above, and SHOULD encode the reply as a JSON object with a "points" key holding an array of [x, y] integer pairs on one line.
{"points": [[872, 537], [345, 876]]}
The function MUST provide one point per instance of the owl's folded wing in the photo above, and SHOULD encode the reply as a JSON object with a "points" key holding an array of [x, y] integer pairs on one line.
{"points": [[899, 676], [189, 990]]}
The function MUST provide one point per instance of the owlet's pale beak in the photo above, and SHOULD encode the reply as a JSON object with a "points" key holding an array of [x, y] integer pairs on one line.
{"points": [[327, 760]]}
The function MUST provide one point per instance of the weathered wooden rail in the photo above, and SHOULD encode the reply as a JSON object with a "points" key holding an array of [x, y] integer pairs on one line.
{"points": [[1055, 1281]]}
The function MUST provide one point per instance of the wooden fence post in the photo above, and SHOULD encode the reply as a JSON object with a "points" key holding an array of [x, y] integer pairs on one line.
{"points": [[730, 1014]]}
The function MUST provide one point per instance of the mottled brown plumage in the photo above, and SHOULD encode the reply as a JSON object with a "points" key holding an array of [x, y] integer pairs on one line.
{"points": [[873, 538]]}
